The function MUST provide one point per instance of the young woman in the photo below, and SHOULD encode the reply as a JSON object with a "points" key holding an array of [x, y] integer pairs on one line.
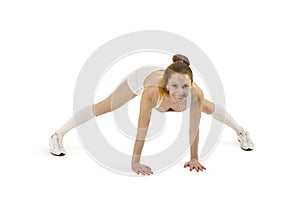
{"points": [[172, 89]]}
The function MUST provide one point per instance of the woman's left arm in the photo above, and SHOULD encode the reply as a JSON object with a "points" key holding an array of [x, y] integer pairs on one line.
{"points": [[195, 116]]}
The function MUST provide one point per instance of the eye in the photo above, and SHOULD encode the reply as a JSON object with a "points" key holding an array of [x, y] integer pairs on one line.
{"points": [[186, 86], [174, 86]]}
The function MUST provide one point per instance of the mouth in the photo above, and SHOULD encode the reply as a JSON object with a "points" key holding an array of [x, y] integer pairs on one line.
{"points": [[180, 97]]}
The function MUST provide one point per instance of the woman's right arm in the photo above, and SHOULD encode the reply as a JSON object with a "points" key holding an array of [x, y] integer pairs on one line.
{"points": [[146, 106]]}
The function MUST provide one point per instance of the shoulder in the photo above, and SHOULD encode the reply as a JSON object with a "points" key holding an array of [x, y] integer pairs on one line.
{"points": [[197, 93], [150, 96], [151, 91]]}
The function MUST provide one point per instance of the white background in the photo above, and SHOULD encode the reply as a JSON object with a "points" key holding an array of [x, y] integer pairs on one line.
{"points": [[254, 46]]}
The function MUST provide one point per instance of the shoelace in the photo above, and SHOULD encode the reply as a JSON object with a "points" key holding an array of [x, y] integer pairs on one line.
{"points": [[244, 135], [247, 137], [57, 142]]}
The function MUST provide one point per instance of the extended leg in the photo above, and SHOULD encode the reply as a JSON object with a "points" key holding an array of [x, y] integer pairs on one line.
{"points": [[220, 114], [118, 98]]}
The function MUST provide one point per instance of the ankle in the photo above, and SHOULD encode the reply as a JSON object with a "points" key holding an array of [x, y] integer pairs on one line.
{"points": [[57, 135], [241, 132]]}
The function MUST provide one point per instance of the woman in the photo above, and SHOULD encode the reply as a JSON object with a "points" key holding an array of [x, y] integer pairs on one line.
{"points": [[172, 89]]}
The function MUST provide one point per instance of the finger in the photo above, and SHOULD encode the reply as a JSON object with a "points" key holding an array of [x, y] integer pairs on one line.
{"points": [[142, 172], [186, 164], [198, 167], [203, 168], [149, 171], [192, 167], [146, 169]]}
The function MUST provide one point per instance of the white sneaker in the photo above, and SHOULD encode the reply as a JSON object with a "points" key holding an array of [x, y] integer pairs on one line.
{"points": [[56, 147], [245, 140]]}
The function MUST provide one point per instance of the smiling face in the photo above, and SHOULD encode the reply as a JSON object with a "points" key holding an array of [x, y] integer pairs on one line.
{"points": [[179, 86]]}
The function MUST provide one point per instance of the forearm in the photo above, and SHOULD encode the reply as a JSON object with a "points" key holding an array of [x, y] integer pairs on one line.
{"points": [[194, 141], [138, 145], [137, 150]]}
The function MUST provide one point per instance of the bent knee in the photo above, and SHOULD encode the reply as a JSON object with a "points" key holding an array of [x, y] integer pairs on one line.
{"points": [[208, 108]]}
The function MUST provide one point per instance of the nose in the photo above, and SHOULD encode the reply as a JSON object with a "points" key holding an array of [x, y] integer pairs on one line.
{"points": [[180, 91]]}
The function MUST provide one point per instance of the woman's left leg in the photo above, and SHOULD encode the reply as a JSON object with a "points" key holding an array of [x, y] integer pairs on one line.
{"points": [[220, 114]]}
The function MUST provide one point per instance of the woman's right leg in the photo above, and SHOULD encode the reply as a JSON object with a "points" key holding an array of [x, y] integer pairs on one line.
{"points": [[115, 100]]}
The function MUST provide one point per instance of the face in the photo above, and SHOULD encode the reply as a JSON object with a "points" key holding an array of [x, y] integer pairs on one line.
{"points": [[179, 86]]}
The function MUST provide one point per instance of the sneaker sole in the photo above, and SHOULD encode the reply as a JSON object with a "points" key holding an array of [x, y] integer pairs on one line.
{"points": [[248, 149], [61, 154]]}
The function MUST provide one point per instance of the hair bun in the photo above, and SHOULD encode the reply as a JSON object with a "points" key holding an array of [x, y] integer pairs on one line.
{"points": [[179, 57]]}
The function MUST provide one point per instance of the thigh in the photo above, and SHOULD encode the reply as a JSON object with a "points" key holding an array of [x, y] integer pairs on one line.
{"points": [[120, 96]]}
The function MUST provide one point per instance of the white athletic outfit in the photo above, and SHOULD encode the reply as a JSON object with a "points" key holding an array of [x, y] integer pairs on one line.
{"points": [[135, 82], [137, 78]]}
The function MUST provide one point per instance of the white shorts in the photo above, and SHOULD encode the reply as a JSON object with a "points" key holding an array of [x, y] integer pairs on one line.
{"points": [[136, 79]]}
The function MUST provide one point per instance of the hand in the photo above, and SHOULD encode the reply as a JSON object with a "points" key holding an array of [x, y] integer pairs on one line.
{"points": [[194, 164], [140, 168]]}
